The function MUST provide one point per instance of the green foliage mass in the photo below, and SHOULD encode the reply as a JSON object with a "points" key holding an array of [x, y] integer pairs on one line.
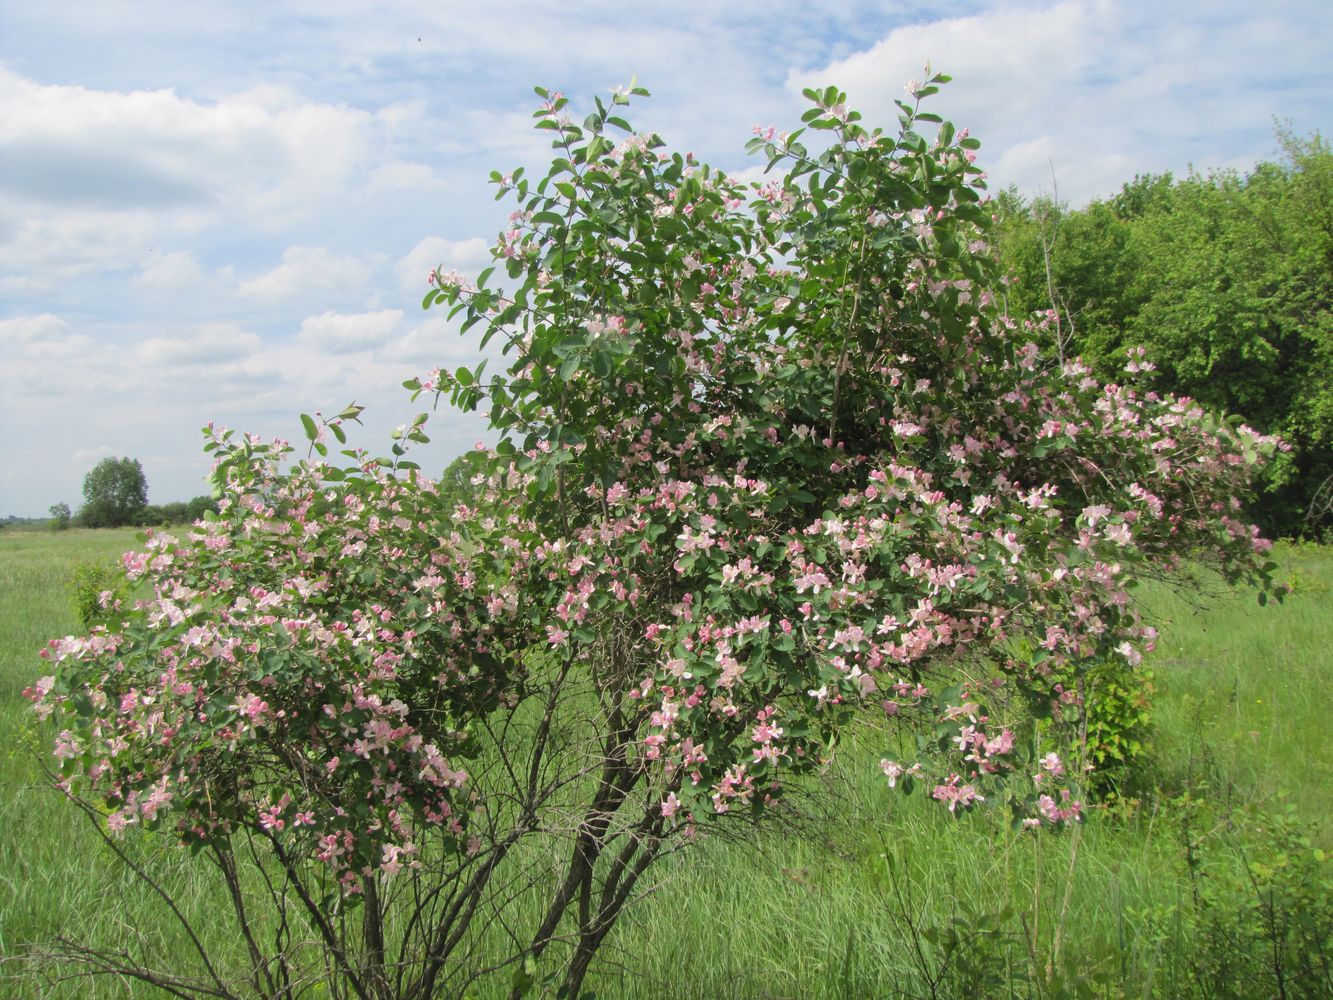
{"points": [[814, 910], [1227, 279], [61, 516], [177, 512], [95, 590], [115, 492]]}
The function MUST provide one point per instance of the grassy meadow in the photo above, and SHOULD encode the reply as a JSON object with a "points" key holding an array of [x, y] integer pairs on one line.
{"points": [[1208, 879]]}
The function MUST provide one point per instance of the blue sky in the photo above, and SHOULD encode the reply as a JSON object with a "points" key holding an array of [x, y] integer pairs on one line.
{"points": [[227, 211]]}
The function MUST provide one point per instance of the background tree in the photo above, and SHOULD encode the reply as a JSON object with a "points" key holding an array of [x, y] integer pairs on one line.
{"points": [[1227, 279], [198, 507], [175, 513], [115, 493], [60, 516]]}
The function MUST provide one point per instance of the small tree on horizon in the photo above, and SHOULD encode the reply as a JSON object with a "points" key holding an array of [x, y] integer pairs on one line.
{"points": [[61, 516], [114, 493]]}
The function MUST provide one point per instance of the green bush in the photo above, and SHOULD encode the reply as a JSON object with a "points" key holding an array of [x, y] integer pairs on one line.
{"points": [[97, 590], [1262, 906], [1102, 719], [1119, 725]]}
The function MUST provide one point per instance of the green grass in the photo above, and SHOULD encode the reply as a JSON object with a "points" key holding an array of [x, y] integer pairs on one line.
{"points": [[842, 900], [53, 874]]}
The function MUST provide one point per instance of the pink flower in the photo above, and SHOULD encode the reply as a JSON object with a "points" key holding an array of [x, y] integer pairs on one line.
{"points": [[957, 796], [892, 770]]}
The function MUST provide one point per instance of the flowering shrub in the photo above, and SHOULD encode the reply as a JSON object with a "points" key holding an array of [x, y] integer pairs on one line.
{"points": [[772, 457]]}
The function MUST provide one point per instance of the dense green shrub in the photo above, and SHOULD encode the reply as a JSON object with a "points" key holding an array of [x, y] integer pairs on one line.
{"points": [[772, 461], [1227, 279], [97, 590]]}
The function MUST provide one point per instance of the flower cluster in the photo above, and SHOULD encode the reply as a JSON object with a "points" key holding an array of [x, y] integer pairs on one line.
{"points": [[303, 666]]}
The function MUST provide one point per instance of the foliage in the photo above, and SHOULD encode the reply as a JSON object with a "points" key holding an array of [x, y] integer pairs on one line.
{"points": [[1227, 279], [772, 459], [176, 513], [1256, 920], [456, 482], [61, 517], [98, 591], [1110, 724], [115, 492], [1262, 905], [799, 907]]}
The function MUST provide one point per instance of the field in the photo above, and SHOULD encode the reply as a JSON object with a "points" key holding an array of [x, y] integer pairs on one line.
{"points": [[1208, 879]]}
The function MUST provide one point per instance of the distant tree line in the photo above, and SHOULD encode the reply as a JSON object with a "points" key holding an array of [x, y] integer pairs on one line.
{"points": [[1226, 279], [115, 495]]}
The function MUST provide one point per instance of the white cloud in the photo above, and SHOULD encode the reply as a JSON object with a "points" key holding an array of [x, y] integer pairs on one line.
{"points": [[219, 212], [98, 181], [307, 271], [79, 146], [42, 355], [1093, 89], [170, 273], [342, 333], [30, 329], [50, 247], [402, 175], [90, 455], [206, 345], [435, 342]]}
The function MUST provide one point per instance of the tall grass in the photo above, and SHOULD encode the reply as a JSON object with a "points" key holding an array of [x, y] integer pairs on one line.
{"points": [[857, 891], [55, 878]]}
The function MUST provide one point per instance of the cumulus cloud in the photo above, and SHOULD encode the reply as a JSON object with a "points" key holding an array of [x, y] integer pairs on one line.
{"points": [[170, 273], [41, 352], [208, 212], [77, 146], [435, 342], [97, 181], [403, 175], [30, 329], [1090, 89], [343, 333], [96, 454], [306, 271], [44, 250], [209, 344]]}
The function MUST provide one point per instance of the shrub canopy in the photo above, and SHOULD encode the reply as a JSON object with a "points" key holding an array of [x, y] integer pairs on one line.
{"points": [[771, 457]]}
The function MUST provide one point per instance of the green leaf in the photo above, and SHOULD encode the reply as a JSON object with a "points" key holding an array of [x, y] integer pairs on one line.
{"points": [[311, 431]]}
